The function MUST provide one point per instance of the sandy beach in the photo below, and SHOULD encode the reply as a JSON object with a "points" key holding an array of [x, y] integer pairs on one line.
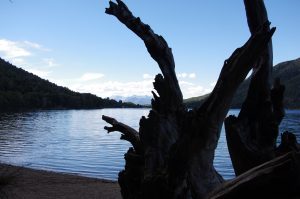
{"points": [[25, 183]]}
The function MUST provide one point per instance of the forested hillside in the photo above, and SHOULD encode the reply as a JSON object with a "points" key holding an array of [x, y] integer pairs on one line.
{"points": [[20, 89], [289, 74]]}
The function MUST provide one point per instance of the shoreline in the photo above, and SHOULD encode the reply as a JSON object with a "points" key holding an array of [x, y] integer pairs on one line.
{"points": [[27, 183]]}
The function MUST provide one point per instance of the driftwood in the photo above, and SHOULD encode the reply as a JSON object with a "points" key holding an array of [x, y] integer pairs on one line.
{"points": [[251, 137], [173, 152], [278, 178], [128, 133]]}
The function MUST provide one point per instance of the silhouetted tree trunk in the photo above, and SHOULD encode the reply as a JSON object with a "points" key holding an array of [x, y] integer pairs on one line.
{"points": [[173, 152], [251, 137]]}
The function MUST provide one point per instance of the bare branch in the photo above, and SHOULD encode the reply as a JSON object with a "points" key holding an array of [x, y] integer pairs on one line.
{"points": [[252, 136], [155, 44], [128, 133], [260, 85], [234, 71]]}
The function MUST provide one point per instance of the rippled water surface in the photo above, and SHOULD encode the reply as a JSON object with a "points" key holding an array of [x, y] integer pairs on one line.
{"points": [[74, 141]]}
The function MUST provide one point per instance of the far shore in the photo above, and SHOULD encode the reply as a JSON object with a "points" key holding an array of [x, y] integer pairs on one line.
{"points": [[25, 183]]}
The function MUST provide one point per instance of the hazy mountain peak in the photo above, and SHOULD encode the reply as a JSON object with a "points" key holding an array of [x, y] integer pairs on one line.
{"points": [[136, 99]]}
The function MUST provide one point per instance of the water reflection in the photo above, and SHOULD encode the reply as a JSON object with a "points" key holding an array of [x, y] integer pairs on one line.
{"points": [[66, 141], [74, 141]]}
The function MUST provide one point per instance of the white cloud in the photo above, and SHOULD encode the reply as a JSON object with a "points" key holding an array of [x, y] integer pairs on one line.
{"points": [[40, 73], [50, 62], [186, 75], [10, 49], [90, 76], [182, 75], [17, 51], [116, 88], [192, 90], [185, 83], [192, 75], [32, 45], [17, 61], [113, 88], [147, 76], [29, 44]]}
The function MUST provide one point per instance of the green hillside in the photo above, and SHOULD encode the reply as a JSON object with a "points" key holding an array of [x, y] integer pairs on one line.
{"points": [[288, 72], [20, 89], [195, 101]]}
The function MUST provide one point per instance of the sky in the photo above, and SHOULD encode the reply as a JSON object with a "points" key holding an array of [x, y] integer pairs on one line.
{"points": [[73, 43]]}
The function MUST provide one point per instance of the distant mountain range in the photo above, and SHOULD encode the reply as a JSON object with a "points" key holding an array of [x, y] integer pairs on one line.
{"points": [[20, 89], [136, 99], [289, 74]]}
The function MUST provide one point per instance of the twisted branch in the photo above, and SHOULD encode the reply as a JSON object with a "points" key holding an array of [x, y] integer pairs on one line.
{"points": [[128, 133], [155, 44]]}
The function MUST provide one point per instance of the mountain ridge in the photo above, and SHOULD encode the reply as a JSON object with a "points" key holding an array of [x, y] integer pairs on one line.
{"points": [[20, 89], [136, 99], [289, 74]]}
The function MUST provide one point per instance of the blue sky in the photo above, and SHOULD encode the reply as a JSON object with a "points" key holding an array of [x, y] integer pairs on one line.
{"points": [[75, 44]]}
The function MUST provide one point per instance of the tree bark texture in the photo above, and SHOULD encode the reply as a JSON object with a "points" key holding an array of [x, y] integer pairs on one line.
{"points": [[251, 137], [173, 151]]}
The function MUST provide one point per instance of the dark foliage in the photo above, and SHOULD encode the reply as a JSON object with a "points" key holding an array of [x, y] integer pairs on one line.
{"points": [[20, 89]]}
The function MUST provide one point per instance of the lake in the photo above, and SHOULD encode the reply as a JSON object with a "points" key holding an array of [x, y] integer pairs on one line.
{"points": [[74, 141]]}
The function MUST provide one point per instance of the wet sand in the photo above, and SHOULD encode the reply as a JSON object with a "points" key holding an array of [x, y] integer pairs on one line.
{"points": [[25, 183]]}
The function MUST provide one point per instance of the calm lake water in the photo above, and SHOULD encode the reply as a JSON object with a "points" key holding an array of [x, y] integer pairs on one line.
{"points": [[74, 141]]}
